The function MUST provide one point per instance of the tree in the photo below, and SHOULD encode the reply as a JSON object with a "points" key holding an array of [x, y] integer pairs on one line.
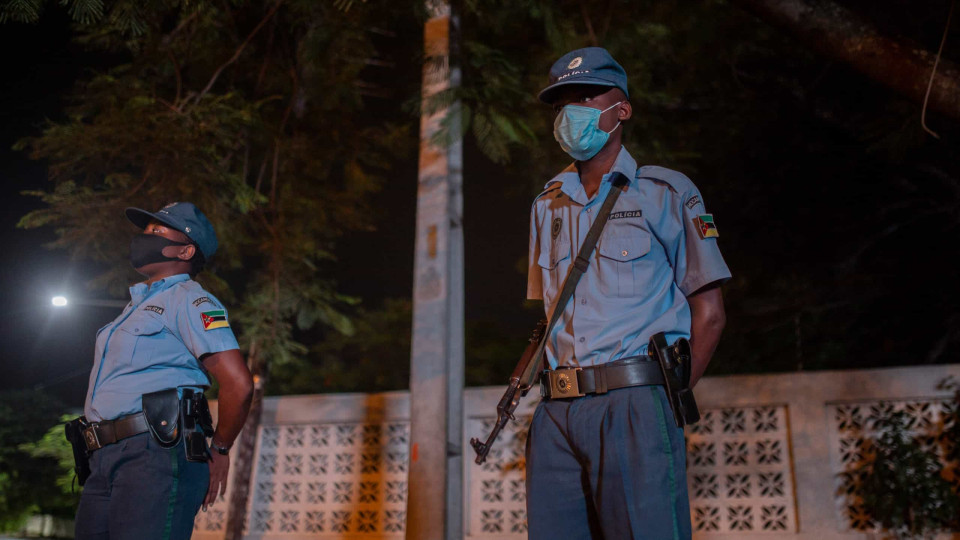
{"points": [[29, 481], [256, 112], [837, 32]]}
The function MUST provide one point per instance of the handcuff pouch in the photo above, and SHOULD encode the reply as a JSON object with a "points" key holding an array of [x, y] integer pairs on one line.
{"points": [[162, 411]]}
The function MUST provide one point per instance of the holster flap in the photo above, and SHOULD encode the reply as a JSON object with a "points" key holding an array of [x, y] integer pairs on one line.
{"points": [[162, 411]]}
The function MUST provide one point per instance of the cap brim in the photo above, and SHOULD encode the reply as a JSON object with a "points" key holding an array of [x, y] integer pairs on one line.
{"points": [[548, 94], [141, 218]]}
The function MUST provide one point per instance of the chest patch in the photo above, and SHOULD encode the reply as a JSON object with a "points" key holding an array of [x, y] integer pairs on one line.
{"points": [[201, 300], [214, 319], [555, 229], [626, 214], [156, 309]]}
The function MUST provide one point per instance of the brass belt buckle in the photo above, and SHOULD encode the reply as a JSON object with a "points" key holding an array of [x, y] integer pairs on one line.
{"points": [[564, 383], [91, 438]]}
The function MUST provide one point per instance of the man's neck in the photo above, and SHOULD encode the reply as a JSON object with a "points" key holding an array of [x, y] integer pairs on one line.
{"points": [[593, 169], [153, 278]]}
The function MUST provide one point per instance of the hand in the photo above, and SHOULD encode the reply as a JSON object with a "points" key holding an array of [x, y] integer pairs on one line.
{"points": [[219, 471]]}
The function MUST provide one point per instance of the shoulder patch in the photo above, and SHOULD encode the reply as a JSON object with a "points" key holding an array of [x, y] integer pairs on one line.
{"points": [[202, 300], [677, 181], [216, 318], [706, 227]]}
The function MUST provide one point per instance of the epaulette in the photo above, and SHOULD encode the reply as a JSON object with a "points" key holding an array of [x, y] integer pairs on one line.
{"points": [[549, 188], [677, 181]]}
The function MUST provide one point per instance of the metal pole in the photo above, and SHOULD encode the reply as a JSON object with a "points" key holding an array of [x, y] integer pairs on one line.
{"points": [[435, 487]]}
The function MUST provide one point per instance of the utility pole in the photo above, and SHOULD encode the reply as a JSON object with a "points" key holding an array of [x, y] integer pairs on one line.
{"points": [[435, 487]]}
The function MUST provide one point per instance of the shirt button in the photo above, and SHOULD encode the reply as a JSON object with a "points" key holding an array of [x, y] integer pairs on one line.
{"points": [[624, 253], [583, 302], [589, 209], [582, 339]]}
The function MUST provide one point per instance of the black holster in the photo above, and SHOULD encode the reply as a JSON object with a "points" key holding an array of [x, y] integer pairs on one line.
{"points": [[171, 418], [81, 458], [675, 363]]}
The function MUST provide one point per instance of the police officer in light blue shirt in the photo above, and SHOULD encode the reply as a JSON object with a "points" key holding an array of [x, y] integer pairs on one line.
{"points": [[611, 464], [172, 334]]}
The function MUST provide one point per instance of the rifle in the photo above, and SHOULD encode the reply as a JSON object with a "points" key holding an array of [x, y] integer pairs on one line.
{"points": [[521, 380]]}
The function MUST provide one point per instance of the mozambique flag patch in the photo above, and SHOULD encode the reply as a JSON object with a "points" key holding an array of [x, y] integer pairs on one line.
{"points": [[705, 226], [214, 319]]}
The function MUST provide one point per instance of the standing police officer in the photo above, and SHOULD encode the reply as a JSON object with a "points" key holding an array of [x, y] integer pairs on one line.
{"points": [[171, 335], [611, 464]]}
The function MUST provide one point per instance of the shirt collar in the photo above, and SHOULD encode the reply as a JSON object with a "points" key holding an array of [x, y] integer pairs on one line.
{"points": [[141, 291], [570, 177]]}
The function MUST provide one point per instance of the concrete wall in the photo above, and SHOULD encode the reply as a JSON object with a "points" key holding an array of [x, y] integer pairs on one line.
{"points": [[774, 456]]}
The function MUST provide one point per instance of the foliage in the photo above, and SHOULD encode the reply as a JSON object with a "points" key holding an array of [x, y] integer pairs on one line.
{"points": [[375, 357], [253, 110], [29, 478], [904, 487], [54, 446]]}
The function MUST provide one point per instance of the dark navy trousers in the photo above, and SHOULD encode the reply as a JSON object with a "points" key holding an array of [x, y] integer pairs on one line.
{"points": [[138, 490], [609, 466]]}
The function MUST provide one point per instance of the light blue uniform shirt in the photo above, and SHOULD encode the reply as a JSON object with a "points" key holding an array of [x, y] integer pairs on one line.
{"points": [[650, 256], [155, 344]]}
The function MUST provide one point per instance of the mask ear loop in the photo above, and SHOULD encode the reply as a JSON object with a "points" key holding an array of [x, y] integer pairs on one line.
{"points": [[618, 121]]}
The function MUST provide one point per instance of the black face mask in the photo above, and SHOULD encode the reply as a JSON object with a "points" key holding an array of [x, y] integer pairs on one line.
{"points": [[148, 249]]}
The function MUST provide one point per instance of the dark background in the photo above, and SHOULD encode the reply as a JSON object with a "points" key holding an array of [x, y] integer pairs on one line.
{"points": [[838, 215]]}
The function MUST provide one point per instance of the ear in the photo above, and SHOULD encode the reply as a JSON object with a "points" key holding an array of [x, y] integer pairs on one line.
{"points": [[624, 111], [187, 252]]}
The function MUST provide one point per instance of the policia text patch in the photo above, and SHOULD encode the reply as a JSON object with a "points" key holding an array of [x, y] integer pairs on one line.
{"points": [[626, 214]]}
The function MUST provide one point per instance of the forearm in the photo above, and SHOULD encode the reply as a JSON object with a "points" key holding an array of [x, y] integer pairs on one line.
{"points": [[707, 322], [236, 392], [233, 404]]}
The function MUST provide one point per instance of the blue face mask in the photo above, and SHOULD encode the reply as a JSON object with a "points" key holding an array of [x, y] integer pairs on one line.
{"points": [[577, 129]]}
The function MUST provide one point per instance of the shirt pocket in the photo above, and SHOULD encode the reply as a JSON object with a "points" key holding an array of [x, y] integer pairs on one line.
{"points": [[554, 261], [619, 263], [137, 339]]}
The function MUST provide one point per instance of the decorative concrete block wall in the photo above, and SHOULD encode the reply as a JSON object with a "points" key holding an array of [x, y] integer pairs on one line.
{"points": [[773, 457]]}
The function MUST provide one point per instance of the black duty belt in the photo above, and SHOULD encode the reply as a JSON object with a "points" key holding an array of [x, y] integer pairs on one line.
{"points": [[100, 434], [572, 382]]}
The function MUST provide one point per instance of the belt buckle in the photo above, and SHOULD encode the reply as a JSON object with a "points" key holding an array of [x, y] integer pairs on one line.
{"points": [[91, 438], [564, 382]]}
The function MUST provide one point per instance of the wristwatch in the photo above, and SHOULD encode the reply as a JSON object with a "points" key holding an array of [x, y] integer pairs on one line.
{"points": [[222, 450]]}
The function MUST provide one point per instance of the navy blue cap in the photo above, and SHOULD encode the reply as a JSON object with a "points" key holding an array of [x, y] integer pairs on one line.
{"points": [[184, 217], [592, 65]]}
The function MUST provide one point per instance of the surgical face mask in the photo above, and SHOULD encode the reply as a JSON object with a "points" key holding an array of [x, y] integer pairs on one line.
{"points": [[577, 129], [148, 248]]}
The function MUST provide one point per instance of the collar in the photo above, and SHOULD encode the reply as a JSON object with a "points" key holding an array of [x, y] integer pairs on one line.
{"points": [[141, 291], [570, 177]]}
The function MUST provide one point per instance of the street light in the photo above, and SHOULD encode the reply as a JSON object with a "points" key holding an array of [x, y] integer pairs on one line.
{"points": [[61, 301]]}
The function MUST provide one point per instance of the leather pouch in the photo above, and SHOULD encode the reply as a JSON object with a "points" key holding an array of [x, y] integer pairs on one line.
{"points": [[162, 411]]}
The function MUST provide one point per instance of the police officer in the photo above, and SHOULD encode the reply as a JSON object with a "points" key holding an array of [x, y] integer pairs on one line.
{"points": [[610, 464], [172, 334]]}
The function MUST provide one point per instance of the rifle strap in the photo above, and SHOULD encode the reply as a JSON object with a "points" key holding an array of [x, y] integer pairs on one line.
{"points": [[576, 271]]}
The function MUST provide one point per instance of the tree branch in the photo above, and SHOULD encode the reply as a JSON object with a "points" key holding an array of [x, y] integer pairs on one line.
{"points": [[239, 50], [839, 33]]}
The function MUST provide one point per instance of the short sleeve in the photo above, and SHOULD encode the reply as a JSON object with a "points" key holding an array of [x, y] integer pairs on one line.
{"points": [[690, 235], [204, 325]]}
